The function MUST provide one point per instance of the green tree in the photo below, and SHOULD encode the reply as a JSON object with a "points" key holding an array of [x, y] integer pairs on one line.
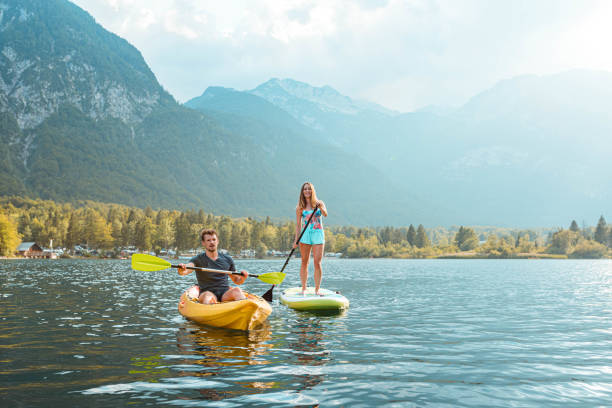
{"points": [[574, 226], [26, 233], [235, 242], [116, 232], [149, 212], [397, 235], [466, 239], [196, 238], [490, 245], [261, 249], [257, 233], [384, 235], [38, 230], [411, 235], [364, 247], [9, 237], [589, 250], [132, 216], [495, 247], [97, 231], [127, 233], [422, 240], [224, 233], [24, 227], [165, 232], [201, 217], [525, 245], [182, 233], [245, 237], [270, 236], [74, 231], [341, 243], [144, 234], [563, 241], [601, 231]]}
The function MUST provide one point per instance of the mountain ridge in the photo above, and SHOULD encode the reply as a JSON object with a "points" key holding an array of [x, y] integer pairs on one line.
{"points": [[89, 136], [326, 97], [514, 150], [83, 117]]}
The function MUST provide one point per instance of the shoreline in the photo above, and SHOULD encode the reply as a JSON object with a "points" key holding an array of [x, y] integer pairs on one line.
{"points": [[459, 255]]}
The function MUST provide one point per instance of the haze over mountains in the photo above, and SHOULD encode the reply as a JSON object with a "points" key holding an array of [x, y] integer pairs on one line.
{"points": [[83, 117], [529, 151]]}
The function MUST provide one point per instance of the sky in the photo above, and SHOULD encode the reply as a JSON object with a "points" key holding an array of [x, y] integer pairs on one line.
{"points": [[402, 54]]}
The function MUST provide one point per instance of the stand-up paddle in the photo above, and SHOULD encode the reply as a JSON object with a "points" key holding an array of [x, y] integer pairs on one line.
{"points": [[268, 294]]}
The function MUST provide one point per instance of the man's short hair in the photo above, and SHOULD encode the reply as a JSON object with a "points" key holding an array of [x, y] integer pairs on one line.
{"points": [[208, 231]]}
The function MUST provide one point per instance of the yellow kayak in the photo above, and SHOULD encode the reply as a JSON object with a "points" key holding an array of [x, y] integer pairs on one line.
{"points": [[244, 314]]}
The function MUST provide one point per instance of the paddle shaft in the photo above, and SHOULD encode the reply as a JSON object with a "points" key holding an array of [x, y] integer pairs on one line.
{"points": [[300, 237], [198, 268]]}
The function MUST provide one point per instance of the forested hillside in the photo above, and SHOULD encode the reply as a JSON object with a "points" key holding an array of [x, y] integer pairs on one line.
{"points": [[108, 229]]}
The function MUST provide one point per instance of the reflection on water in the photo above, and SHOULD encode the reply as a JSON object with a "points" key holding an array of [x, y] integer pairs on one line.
{"points": [[223, 347], [216, 352], [308, 349]]}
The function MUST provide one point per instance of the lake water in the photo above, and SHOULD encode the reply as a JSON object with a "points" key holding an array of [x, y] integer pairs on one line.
{"points": [[418, 333]]}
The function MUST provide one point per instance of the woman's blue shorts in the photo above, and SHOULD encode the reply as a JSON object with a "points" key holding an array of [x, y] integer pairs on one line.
{"points": [[313, 237]]}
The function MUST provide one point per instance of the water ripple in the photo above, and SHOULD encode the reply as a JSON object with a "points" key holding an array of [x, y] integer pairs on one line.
{"points": [[439, 333]]}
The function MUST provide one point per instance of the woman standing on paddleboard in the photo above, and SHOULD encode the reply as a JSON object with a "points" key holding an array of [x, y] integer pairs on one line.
{"points": [[314, 237]]}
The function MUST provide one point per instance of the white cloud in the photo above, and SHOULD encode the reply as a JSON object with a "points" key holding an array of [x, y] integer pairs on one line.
{"points": [[401, 53]]}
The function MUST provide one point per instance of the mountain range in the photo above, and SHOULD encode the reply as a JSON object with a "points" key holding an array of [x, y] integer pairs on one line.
{"points": [[531, 151], [83, 117]]}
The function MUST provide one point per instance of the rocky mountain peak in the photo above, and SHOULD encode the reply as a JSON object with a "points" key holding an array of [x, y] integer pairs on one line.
{"points": [[81, 64], [286, 92]]}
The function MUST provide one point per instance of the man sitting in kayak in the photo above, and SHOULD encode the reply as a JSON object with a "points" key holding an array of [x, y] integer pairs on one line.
{"points": [[214, 286]]}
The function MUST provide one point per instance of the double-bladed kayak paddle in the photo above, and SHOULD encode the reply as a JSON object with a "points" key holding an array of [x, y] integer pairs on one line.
{"points": [[149, 263]]}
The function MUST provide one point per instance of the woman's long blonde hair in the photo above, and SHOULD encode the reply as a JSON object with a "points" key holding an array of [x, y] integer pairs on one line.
{"points": [[302, 204]]}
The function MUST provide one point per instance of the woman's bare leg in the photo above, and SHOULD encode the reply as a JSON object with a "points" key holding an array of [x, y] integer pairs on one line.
{"points": [[317, 256], [305, 254]]}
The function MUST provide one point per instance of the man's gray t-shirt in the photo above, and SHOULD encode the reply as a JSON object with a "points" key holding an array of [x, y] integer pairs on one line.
{"points": [[216, 283]]}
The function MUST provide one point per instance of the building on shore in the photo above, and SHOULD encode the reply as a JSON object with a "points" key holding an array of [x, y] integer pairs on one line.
{"points": [[33, 250], [30, 250]]}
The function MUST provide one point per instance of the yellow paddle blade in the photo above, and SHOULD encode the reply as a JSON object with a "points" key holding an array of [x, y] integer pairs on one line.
{"points": [[273, 278], [144, 262]]}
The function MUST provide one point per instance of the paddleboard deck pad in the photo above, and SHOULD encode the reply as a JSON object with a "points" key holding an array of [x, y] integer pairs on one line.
{"points": [[326, 300]]}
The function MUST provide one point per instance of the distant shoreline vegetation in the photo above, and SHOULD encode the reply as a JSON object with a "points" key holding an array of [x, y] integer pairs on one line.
{"points": [[109, 229]]}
